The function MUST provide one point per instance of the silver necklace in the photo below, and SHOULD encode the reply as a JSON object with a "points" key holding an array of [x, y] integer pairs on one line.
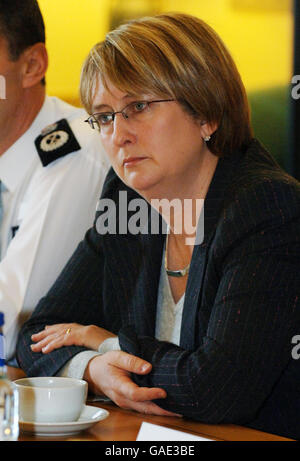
{"points": [[178, 273]]}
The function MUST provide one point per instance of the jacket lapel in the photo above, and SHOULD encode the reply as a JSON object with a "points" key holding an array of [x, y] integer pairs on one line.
{"points": [[212, 208], [146, 313], [144, 302]]}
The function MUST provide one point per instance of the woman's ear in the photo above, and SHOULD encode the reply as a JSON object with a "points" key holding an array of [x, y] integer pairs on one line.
{"points": [[208, 129], [35, 64]]}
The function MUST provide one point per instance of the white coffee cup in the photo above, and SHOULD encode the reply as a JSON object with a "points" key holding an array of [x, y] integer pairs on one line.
{"points": [[51, 399]]}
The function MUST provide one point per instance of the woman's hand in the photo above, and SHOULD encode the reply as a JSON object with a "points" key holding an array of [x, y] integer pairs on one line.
{"points": [[109, 374], [69, 334]]}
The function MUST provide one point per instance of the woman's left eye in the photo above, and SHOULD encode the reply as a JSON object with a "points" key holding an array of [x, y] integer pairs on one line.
{"points": [[139, 106]]}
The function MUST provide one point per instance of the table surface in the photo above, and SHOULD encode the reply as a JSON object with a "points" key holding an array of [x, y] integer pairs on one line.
{"points": [[124, 425]]}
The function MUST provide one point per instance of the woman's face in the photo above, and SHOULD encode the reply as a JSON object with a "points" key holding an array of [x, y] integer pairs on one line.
{"points": [[157, 154]]}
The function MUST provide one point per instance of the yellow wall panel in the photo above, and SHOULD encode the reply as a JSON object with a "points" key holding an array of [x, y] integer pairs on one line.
{"points": [[72, 28], [260, 39], [257, 32]]}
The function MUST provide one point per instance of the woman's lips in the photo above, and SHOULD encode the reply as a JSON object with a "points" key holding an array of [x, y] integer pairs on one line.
{"points": [[132, 161]]}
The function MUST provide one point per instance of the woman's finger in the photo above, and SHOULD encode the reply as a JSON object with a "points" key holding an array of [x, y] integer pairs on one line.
{"points": [[150, 408], [39, 336], [128, 362], [56, 343], [64, 335], [58, 328], [44, 342], [146, 407], [125, 387]]}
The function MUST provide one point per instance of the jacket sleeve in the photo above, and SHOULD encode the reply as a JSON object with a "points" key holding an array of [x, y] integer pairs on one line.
{"points": [[255, 257], [74, 297]]}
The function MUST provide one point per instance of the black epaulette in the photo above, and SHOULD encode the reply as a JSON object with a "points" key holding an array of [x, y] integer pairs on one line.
{"points": [[56, 141]]}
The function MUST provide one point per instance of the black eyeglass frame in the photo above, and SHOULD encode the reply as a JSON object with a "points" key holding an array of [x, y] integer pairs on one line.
{"points": [[92, 121]]}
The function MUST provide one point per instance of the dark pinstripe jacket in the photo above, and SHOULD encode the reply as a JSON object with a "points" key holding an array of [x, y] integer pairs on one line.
{"points": [[241, 309]]}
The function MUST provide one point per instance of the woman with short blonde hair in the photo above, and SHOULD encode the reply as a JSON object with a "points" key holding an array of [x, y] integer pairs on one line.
{"points": [[177, 56], [200, 329]]}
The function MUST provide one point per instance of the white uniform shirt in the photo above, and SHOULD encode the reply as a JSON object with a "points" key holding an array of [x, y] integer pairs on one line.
{"points": [[48, 208]]}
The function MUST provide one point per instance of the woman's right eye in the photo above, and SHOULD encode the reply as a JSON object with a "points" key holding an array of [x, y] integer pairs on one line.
{"points": [[104, 119]]}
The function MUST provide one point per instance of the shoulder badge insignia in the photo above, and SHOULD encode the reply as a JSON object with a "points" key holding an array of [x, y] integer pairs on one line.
{"points": [[56, 141]]}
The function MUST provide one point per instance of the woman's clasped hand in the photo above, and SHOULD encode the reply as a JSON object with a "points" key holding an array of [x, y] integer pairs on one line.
{"points": [[69, 334], [107, 374]]}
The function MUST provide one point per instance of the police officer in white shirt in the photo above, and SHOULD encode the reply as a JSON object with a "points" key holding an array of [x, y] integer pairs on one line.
{"points": [[52, 170]]}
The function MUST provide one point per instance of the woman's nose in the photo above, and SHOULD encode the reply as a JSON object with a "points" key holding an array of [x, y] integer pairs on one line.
{"points": [[122, 131]]}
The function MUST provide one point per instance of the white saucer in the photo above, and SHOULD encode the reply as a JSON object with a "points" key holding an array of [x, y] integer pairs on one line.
{"points": [[89, 416]]}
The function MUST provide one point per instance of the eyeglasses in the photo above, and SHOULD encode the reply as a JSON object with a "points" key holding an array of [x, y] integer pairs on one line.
{"points": [[137, 110]]}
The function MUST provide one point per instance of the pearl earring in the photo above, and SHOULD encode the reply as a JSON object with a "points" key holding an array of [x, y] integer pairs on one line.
{"points": [[207, 138]]}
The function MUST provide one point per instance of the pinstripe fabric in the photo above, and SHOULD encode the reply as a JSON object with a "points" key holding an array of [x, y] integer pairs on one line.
{"points": [[241, 309]]}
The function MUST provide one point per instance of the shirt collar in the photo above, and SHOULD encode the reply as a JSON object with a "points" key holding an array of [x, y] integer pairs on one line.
{"points": [[17, 160]]}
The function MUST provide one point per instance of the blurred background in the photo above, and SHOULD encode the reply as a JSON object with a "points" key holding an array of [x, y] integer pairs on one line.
{"points": [[258, 33]]}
